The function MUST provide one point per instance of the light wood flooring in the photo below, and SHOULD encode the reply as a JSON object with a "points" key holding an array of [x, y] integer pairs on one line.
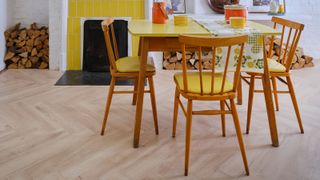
{"points": [[52, 132]]}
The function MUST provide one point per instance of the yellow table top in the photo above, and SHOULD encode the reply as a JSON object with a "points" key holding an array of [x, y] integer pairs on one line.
{"points": [[266, 30], [147, 28]]}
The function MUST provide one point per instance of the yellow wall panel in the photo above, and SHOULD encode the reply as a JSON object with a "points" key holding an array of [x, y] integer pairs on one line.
{"points": [[97, 8], [89, 8], [70, 26], [81, 6], [72, 8], [76, 25], [135, 45]]}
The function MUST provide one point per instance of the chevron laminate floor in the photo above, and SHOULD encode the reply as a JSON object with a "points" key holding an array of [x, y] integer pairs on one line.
{"points": [[52, 132]]}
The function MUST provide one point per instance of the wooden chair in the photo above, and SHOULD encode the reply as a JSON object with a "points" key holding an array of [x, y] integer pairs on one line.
{"points": [[279, 68], [125, 68], [201, 85]]}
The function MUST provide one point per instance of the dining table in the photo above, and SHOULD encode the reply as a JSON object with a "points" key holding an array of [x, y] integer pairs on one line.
{"points": [[164, 37]]}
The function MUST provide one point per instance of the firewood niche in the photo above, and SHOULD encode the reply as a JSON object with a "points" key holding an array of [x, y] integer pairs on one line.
{"points": [[27, 47], [173, 60]]}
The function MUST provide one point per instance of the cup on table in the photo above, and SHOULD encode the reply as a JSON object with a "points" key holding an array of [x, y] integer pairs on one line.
{"points": [[181, 20], [238, 22]]}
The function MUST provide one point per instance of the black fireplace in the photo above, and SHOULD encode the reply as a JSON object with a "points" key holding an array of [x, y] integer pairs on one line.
{"points": [[95, 58]]}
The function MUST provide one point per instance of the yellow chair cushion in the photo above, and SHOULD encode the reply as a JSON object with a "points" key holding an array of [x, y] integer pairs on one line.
{"points": [[194, 83], [274, 66], [131, 64]]}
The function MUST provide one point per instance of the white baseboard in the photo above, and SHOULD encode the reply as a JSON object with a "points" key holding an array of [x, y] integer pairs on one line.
{"points": [[2, 67]]}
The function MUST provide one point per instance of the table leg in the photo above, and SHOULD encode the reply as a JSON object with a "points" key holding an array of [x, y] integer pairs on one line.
{"points": [[270, 109], [144, 55]]}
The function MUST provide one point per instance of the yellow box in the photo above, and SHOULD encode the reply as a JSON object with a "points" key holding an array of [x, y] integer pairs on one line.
{"points": [[181, 20], [238, 22]]}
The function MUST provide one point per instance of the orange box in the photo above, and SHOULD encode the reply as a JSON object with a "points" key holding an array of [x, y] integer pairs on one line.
{"points": [[235, 11]]}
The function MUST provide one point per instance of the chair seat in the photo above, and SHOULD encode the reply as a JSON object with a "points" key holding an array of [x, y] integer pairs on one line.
{"points": [[131, 64], [275, 66], [194, 83]]}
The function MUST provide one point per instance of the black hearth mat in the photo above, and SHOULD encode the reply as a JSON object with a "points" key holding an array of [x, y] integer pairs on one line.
{"points": [[80, 78]]}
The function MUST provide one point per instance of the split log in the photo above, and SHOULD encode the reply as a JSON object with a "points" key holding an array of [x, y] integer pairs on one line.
{"points": [[173, 59], [24, 60], [197, 64], [13, 66], [25, 54], [34, 52], [28, 64], [308, 59], [192, 61], [170, 66], [296, 66], [15, 59], [166, 55], [20, 65], [207, 65], [311, 64], [23, 34], [178, 66], [34, 60], [301, 62], [21, 44], [165, 63], [179, 56], [43, 65], [9, 55]]}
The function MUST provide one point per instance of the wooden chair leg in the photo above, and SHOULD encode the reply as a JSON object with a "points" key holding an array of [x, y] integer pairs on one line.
{"points": [[295, 104], [275, 94], [188, 137], [239, 92], [250, 102], [223, 119], [153, 103], [239, 135], [135, 89], [175, 112], [108, 104]]}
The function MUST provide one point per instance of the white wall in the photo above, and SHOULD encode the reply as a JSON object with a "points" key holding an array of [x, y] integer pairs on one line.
{"points": [[58, 13], [307, 12], [3, 27], [29, 11]]}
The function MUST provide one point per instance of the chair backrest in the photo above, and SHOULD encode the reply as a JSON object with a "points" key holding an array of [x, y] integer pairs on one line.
{"points": [[111, 42], [208, 44], [291, 32]]}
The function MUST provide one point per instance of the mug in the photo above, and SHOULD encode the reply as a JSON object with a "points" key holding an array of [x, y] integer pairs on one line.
{"points": [[238, 22]]}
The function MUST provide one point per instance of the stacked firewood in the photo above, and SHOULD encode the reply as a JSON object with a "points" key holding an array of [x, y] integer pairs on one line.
{"points": [[300, 60], [173, 60], [27, 47]]}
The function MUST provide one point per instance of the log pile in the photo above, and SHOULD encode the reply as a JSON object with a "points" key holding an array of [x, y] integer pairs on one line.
{"points": [[173, 60], [300, 60], [27, 47]]}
